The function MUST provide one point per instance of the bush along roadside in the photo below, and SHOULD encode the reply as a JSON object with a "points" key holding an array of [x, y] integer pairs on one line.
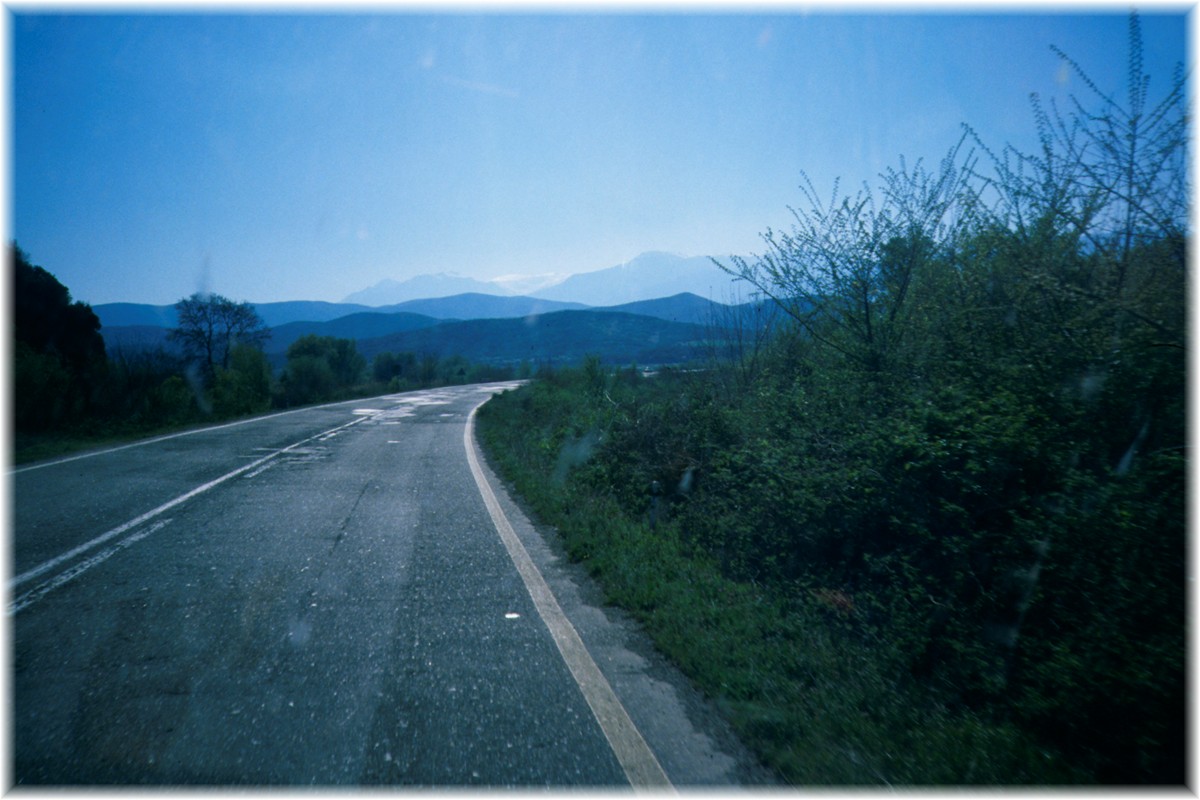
{"points": [[814, 679], [931, 529]]}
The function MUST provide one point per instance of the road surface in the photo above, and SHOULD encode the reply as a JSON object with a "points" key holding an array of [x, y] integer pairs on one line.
{"points": [[340, 595]]}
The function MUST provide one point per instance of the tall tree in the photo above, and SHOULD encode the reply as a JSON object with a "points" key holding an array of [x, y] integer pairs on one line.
{"points": [[46, 318], [210, 326], [59, 352], [319, 366], [845, 270]]}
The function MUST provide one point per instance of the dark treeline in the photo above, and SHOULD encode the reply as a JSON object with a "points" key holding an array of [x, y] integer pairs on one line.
{"points": [[67, 389], [953, 478]]}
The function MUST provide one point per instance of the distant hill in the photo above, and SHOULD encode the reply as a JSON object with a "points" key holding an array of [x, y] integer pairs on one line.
{"points": [[389, 292], [562, 336], [482, 306], [649, 276], [684, 307], [305, 311], [114, 315], [478, 326], [366, 325], [645, 277], [127, 340], [525, 284]]}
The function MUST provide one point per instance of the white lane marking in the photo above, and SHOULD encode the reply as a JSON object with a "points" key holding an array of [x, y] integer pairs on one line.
{"points": [[635, 756], [166, 437], [41, 590], [259, 471], [133, 523]]}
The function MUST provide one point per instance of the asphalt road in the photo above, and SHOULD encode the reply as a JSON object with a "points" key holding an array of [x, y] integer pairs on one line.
{"points": [[325, 597]]}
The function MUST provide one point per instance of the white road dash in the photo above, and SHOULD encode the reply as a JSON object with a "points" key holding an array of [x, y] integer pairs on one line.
{"points": [[255, 473], [207, 429], [41, 590], [154, 512], [156, 439]]}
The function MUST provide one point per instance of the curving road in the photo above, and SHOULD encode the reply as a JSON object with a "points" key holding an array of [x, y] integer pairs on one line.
{"points": [[340, 595]]}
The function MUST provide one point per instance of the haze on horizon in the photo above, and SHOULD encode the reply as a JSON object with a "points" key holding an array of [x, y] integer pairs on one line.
{"points": [[306, 156]]}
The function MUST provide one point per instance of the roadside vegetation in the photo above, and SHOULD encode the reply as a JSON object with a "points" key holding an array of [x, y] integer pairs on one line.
{"points": [[69, 393], [929, 528]]}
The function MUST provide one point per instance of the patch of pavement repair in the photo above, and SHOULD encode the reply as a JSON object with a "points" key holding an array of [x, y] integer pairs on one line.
{"points": [[694, 744]]}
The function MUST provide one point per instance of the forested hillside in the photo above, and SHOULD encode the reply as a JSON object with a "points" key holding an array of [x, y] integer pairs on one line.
{"points": [[933, 530], [69, 391], [561, 337]]}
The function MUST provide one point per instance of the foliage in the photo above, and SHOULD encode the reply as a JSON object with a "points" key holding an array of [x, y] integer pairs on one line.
{"points": [[211, 327], [394, 366], [322, 368], [69, 393], [47, 321], [244, 387], [58, 347], [404, 371], [42, 388], [962, 469], [148, 390], [560, 337], [318, 367]]}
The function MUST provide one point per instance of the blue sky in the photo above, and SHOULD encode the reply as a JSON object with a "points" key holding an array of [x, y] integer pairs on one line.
{"points": [[298, 155]]}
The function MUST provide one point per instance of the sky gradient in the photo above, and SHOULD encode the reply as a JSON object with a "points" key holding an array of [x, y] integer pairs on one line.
{"points": [[289, 156]]}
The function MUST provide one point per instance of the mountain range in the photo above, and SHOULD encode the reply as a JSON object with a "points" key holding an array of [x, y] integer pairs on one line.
{"points": [[646, 277], [480, 327], [562, 336], [635, 313], [390, 292], [679, 308]]}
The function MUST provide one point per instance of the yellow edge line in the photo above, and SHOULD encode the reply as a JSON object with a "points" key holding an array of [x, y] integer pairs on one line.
{"points": [[635, 756]]}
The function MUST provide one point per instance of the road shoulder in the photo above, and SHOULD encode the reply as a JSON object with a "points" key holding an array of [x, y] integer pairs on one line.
{"points": [[694, 744]]}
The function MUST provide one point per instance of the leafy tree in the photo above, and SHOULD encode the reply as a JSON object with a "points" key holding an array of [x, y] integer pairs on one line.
{"points": [[41, 388], [172, 402], [738, 337], [59, 352], [145, 389], [844, 271], [1110, 175], [211, 327], [391, 366], [245, 387], [320, 366], [454, 370], [1094, 231], [48, 321], [307, 379], [427, 369]]}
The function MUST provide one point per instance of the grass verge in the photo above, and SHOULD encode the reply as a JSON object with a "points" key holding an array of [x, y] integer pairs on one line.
{"points": [[811, 690]]}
